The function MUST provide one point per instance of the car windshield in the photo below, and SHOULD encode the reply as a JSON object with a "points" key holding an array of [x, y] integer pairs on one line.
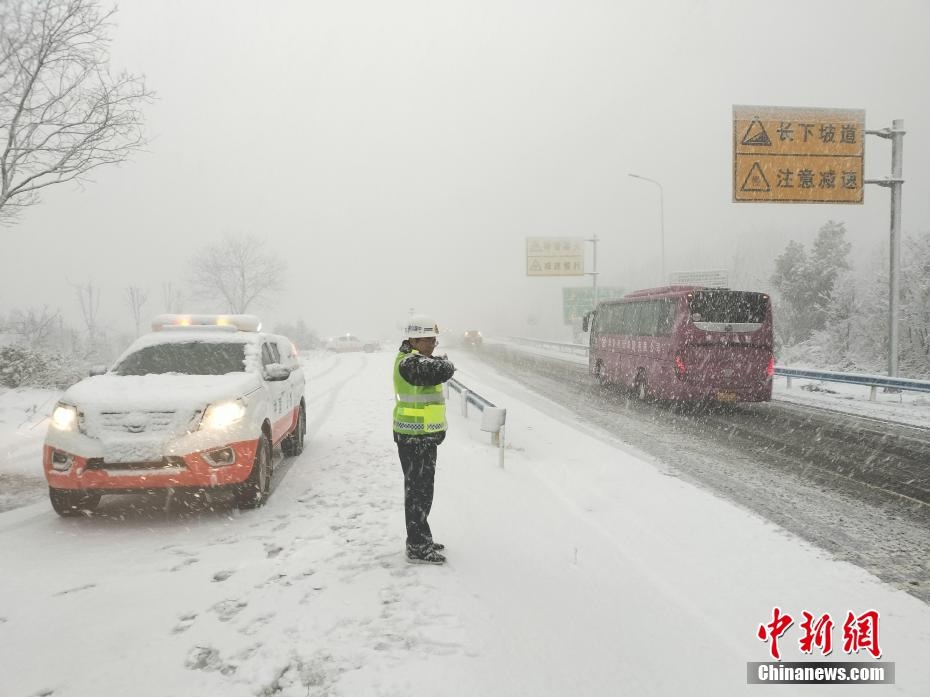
{"points": [[728, 307], [194, 358]]}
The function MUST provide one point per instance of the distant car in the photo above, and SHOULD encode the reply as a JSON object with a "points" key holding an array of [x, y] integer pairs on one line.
{"points": [[345, 343], [198, 403], [471, 337], [371, 346]]}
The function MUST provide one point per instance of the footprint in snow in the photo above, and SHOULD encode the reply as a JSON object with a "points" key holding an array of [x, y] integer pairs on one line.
{"points": [[227, 609], [207, 658], [271, 551], [310, 595], [277, 578], [184, 623], [220, 576], [183, 564], [256, 624]]}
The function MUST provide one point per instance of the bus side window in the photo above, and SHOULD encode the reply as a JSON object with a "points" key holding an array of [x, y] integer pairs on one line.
{"points": [[646, 318], [629, 319], [613, 312], [666, 318]]}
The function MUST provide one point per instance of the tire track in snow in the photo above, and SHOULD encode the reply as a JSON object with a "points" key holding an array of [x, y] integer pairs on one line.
{"points": [[331, 394]]}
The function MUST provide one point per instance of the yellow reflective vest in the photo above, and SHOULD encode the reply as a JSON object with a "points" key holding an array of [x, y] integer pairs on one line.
{"points": [[417, 409]]}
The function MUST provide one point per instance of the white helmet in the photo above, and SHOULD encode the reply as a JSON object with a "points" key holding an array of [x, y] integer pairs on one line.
{"points": [[421, 327]]}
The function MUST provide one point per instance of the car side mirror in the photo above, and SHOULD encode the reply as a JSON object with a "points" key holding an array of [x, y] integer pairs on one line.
{"points": [[97, 370], [276, 371]]}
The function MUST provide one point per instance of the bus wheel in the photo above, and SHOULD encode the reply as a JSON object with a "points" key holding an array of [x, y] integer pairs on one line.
{"points": [[600, 375], [640, 386]]}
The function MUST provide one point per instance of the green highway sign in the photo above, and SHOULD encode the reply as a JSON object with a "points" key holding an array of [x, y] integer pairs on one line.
{"points": [[577, 301]]}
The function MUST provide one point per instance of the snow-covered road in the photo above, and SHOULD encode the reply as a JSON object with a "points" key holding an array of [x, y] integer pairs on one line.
{"points": [[579, 568]]}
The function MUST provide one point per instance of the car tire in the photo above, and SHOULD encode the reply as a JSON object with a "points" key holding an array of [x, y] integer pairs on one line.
{"points": [[293, 444], [640, 388], [68, 502], [600, 375], [253, 492]]}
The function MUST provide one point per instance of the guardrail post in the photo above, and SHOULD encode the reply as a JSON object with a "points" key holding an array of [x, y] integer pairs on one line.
{"points": [[789, 381], [500, 441], [872, 392], [465, 403]]}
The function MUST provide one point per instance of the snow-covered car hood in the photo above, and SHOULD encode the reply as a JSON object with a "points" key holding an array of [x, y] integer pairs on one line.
{"points": [[169, 391]]}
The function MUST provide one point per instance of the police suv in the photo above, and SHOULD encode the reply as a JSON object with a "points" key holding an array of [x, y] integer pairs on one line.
{"points": [[199, 403]]}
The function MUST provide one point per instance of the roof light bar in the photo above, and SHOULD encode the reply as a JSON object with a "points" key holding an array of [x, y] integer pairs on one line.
{"points": [[242, 323]]}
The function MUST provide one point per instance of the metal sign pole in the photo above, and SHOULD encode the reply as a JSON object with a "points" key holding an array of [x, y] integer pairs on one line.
{"points": [[593, 274], [895, 183]]}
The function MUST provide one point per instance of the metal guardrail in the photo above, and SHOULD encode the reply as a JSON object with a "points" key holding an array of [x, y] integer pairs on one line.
{"points": [[864, 379], [872, 381], [493, 418], [561, 347]]}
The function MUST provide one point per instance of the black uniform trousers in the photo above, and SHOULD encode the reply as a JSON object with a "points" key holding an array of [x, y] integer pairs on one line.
{"points": [[418, 460]]}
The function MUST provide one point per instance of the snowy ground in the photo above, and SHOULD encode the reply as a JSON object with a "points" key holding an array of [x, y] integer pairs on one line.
{"points": [[577, 568]]}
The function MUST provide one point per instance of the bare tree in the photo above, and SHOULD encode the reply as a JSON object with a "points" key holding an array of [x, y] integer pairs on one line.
{"points": [[62, 113], [237, 272], [135, 298], [36, 327], [89, 299], [171, 297]]}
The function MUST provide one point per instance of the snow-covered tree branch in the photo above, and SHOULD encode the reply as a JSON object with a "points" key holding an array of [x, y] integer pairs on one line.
{"points": [[62, 113]]}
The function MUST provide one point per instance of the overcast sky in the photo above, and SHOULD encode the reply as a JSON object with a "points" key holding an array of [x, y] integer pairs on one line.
{"points": [[398, 154]]}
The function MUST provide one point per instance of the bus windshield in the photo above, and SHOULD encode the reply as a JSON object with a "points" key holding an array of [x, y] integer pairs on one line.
{"points": [[727, 307]]}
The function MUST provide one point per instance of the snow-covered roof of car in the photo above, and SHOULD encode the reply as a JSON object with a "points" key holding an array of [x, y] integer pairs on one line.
{"points": [[242, 323], [218, 329], [218, 335]]}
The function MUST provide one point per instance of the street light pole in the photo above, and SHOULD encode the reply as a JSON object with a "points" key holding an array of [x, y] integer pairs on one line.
{"points": [[895, 182], [661, 218]]}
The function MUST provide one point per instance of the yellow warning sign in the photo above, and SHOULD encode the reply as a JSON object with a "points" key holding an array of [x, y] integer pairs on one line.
{"points": [[554, 256], [798, 155]]}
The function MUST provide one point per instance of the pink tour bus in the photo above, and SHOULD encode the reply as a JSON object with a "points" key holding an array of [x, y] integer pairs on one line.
{"points": [[685, 343]]}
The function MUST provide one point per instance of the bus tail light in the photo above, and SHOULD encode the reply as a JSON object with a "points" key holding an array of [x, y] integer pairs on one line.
{"points": [[680, 368], [770, 370]]}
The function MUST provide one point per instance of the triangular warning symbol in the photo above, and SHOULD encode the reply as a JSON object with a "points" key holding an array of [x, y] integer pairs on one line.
{"points": [[755, 134], [755, 180]]}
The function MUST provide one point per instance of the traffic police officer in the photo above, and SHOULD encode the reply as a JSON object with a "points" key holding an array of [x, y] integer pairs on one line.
{"points": [[419, 427]]}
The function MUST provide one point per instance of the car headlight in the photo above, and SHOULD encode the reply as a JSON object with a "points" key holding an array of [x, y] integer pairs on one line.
{"points": [[222, 414], [65, 417]]}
